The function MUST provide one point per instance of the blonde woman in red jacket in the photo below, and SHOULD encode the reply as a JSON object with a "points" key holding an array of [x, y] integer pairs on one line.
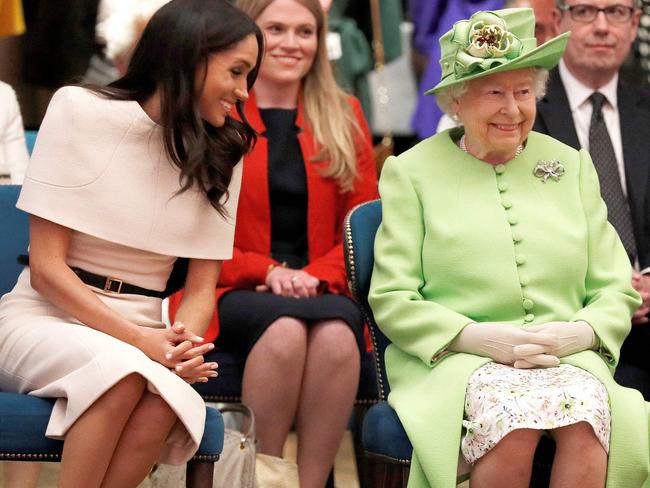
{"points": [[283, 298]]}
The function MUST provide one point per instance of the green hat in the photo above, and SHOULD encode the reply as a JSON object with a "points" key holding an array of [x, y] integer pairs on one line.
{"points": [[493, 42]]}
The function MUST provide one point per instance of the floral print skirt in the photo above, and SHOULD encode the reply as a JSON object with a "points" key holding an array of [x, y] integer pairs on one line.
{"points": [[501, 398]]}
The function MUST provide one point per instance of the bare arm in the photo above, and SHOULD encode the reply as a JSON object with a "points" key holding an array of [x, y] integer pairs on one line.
{"points": [[198, 302], [53, 278]]}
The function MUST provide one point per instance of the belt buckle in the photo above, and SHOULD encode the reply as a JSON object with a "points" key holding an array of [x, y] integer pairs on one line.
{"points": [[108, 286]]}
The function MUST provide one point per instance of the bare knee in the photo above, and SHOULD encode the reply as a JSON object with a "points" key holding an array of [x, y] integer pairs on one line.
{"points": [[578, 438], [284, 342], [336, 341], [155, 409], [125, 393], [509, 463], [153, 418], [518, 447]]}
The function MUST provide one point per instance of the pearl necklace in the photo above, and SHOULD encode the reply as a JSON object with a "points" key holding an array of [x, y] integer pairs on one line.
{"points": [[463, 147]]}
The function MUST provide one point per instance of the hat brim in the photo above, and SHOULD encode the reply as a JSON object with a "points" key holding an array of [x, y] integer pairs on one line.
{"points": [[546, 56]]}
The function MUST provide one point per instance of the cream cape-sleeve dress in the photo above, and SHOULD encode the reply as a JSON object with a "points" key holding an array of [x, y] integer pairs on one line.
{"points": [[99, 168]]}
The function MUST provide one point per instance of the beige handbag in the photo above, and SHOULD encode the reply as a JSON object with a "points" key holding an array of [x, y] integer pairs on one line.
{"points": [[236, 465], [275, 472]]}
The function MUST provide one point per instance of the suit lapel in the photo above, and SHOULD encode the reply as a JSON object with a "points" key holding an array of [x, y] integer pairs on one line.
{"points": [[554, 113]]}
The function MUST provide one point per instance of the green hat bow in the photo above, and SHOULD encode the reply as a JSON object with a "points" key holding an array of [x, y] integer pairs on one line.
{"points": [[494, 41]]}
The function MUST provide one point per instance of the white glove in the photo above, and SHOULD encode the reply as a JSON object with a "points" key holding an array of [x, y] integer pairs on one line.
{"points": [[497, 340], [572, 337]]}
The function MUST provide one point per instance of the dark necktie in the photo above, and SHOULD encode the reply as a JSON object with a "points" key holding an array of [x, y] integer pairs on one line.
{"points": [[602, 152]]}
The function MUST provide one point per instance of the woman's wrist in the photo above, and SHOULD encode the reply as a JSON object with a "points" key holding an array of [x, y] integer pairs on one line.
{"points": [[136, 336], [270, 269]]}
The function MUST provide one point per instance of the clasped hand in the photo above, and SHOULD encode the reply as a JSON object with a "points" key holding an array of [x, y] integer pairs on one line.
{"points": [[535, 346], [290, 282], [571, 337], [177, 349]]}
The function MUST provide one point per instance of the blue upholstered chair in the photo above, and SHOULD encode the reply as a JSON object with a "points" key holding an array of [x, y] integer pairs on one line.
{"points": [[30, 140], [384, 439], [23, 418]]}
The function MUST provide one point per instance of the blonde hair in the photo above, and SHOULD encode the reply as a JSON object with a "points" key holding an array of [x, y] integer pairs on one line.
{"points": [[326, 105]]}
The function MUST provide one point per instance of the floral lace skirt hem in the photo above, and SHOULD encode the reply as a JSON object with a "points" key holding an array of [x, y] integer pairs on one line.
{"points": [[501, 398]]}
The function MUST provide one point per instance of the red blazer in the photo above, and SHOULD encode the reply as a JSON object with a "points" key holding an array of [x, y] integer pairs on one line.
{"points": [[327, 207]]}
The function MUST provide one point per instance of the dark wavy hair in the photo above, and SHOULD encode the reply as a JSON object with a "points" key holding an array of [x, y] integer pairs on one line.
{"points": [[180, 37]]}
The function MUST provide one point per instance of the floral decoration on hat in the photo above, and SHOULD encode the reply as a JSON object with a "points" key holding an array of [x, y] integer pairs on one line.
{"points": [[493, 42], [548, 169], [485, 42]]}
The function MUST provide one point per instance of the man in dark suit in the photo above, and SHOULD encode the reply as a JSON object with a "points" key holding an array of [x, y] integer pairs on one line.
{"points": [[615, 128]]}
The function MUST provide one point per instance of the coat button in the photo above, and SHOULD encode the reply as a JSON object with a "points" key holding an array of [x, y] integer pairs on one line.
{"points": [[500, 168], [516, 237], [529, 317], [520, 260], [512, 220], [502, 186], [528, 304], [523, 280], [506, 203]]}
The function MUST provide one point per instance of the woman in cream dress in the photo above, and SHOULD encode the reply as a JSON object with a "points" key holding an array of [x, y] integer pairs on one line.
{"points": [[123, 180]]}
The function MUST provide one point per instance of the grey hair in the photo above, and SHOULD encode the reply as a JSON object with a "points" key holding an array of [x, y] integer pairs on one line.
{"points": [[446, 96], [635, 3]]}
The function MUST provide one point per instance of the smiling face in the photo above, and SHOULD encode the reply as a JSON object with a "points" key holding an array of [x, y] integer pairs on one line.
{"points": [[498, 112], [225, 80], [291, 36], [596, 50]]}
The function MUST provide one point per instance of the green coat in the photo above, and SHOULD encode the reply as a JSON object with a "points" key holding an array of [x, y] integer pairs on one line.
{"points": [[462, 241]]}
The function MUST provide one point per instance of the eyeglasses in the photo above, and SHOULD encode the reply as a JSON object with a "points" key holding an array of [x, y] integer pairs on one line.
{"points": [[588, 13]]}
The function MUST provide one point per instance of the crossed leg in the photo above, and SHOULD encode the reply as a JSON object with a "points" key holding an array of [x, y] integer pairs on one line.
{"points": [[141, 442], [117, 439]]}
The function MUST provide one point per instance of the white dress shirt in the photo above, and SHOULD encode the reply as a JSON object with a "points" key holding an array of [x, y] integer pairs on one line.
{"points": [[581, 109], [13, 150]]}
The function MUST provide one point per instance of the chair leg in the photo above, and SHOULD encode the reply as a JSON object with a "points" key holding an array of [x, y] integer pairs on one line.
{"points": [[388, 475], [364, 469], [199, 474], [405, 475]]}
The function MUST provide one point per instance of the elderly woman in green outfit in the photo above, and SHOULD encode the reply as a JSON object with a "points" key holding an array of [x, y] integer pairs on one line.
{"points": [[503, 288]]}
